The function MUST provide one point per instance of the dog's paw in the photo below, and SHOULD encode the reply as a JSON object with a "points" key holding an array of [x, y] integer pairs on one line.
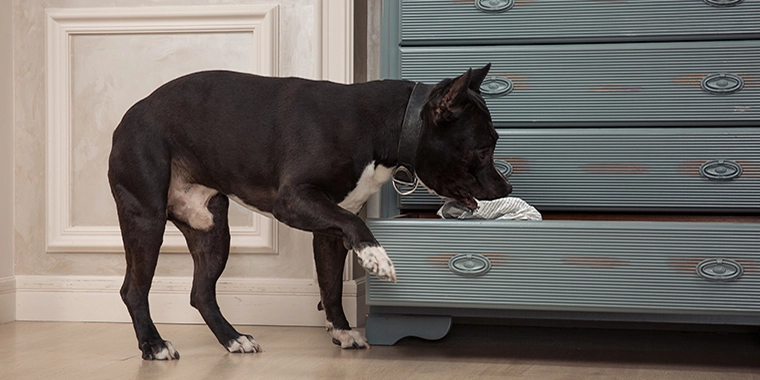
{"points": [[243, 344], [347, 339], [377, 262], [162, 350]]}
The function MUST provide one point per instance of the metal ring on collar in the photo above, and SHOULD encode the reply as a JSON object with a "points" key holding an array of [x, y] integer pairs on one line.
{"points": [[412, 181]]}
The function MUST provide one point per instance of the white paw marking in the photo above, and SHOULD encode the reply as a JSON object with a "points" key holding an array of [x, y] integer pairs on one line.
{"points": [[243, 344], [347, 338], [377, 262], [166, 353]]}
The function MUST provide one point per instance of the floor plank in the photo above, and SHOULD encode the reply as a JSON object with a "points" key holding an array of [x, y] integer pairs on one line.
{"points": [[53, 350]]}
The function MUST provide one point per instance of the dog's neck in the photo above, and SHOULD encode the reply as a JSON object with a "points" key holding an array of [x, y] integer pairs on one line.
{"points": [[410, 135]]}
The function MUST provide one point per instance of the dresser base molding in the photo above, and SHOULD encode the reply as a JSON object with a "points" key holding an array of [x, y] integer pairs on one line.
{"points": [[386, 325]]}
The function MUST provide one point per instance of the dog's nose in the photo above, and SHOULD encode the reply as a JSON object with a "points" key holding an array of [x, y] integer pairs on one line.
{"points": [[506, 181]]}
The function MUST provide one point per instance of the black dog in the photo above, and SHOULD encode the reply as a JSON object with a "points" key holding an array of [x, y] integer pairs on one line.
{"points": [[308, 152]]}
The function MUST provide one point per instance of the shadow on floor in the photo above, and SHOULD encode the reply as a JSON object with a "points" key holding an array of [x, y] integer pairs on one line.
{"points": [[584, 344]]}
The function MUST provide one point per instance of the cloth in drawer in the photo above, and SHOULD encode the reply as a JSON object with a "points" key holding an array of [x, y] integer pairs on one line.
{"points": [[507, 208]]}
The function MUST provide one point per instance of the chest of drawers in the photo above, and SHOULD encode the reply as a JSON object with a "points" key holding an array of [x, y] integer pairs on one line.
{"points": [[633, 126]]}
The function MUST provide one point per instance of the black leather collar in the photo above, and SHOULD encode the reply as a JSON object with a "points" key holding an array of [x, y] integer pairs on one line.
{"points": [[404, 176]]}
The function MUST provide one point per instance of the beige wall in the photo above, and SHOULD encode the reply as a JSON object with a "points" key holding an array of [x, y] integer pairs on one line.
{"points": [[108, 73], [6, 140], [7, 281], [69, 100]]}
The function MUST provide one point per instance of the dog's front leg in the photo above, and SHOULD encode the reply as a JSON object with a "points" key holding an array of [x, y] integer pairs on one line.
{"points": [[307, 208], [329, 256]]}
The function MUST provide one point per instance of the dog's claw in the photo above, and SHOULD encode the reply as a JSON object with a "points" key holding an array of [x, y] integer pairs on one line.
{"points": [[243, 344], [161, 351], [348, 339]]}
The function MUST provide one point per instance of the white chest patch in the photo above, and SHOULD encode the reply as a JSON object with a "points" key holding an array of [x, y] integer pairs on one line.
{"points": [[371, 180]]}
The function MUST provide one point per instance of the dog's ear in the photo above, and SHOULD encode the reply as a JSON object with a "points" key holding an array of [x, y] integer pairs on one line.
{"points": [[477, 77], [454, 98]]}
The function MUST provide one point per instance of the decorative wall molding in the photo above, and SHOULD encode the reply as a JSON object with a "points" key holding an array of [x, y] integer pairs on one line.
{"points": [[337, 36], [256, 301], [260, 20], [7, 299], [336, 31], [271, 301]]}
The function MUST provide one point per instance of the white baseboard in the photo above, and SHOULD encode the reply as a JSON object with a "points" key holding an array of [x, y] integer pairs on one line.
{"points": [[256, 301], [7, 299]]}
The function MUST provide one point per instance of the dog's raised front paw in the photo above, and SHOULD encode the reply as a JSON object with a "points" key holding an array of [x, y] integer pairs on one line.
{"points": [[161, 350], [243, 344], [377, 262]]}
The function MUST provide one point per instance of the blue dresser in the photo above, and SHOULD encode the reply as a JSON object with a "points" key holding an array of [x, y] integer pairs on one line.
{"points": [[633, 126]]}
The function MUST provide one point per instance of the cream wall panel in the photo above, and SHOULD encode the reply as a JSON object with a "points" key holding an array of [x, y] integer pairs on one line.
{"points": [[117, 58], [77, 66], [7, 282], [6, 140], [99, 63]]}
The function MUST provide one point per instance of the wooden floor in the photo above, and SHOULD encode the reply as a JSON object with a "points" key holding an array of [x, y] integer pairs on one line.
{"points": [[41, 350]]}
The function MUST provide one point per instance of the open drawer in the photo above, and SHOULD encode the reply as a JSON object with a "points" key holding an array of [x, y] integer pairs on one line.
{"points": [[664, 267]]}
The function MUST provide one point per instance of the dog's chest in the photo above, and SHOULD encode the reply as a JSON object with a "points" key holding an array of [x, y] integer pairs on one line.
{"points": [[370, 181]]}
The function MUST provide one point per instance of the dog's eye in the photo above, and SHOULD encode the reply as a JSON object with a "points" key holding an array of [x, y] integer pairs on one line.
{"points": [[483, 154]]}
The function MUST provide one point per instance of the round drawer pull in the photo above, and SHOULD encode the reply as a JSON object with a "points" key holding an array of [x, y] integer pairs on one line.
{"points": [[494, 5], [720, 170], [468, 264], [496, 86], [504, 167], [723, 3], [722, 84], [719, 269]]}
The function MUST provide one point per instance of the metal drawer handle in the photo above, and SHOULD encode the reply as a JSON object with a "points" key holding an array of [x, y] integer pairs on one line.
{"points": [[494, 5], [723, 3], [496, 86], [468, 264], [719, 269], [721, 170], [504, 167], [722, 84]]}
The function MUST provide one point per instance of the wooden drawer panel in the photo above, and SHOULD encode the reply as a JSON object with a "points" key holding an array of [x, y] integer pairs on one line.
{"points": [[429, 22], [616, 85], [627, 169], [558, 265]]}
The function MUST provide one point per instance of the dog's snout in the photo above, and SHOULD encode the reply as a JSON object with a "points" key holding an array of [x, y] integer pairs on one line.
{"points": [[507, 186]]}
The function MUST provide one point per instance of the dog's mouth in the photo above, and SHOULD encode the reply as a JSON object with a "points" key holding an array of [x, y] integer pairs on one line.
{"points": [[467, 202]]}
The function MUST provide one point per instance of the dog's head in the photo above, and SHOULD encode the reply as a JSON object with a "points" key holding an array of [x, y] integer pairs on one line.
{"points": [[455, 153]]}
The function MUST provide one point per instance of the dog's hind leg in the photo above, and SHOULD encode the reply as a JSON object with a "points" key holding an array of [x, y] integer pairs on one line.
{"points": [[141, 205], [210, 249], [330, 256]]}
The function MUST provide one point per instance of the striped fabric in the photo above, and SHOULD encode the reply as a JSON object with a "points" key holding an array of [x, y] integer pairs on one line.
{"points": [[509, 208]]}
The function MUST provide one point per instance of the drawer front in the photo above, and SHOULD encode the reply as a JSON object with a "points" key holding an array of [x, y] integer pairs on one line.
{"points": [[428, 22], [580, 266], [652, 85], [709, 169]]}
